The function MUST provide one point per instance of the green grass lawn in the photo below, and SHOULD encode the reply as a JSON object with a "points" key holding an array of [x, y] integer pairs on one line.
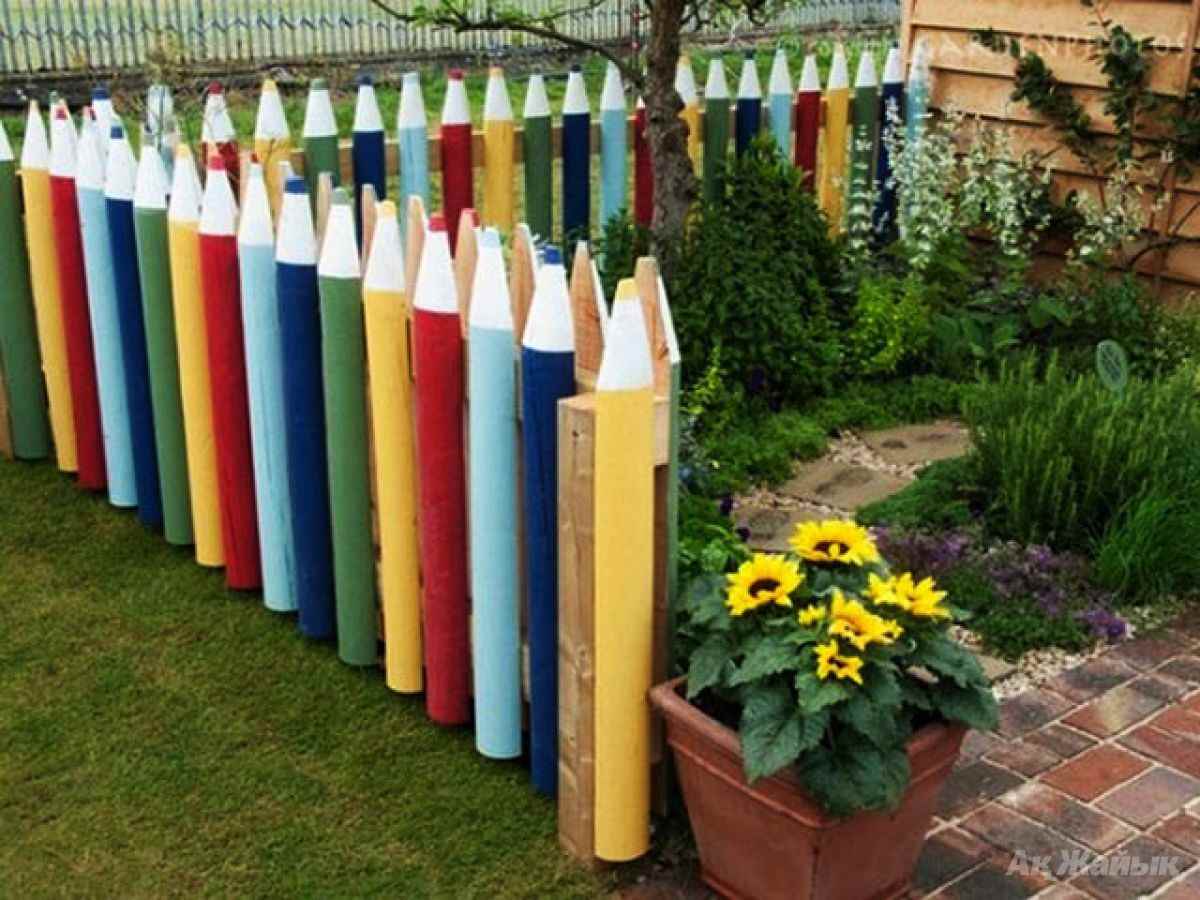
{"points": [[160, 735]]}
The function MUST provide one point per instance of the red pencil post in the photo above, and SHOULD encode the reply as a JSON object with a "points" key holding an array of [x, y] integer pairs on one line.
{"points": [[438, 364], [643, 171], [81, 363], [219, 282], [457, 178], [807, 121]]}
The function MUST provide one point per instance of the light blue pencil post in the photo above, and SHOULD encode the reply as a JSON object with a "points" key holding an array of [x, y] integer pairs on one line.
{"points": [[614, 146], [264, 380], [779, 91], [495, 617], [106, 324], [412, 140]]}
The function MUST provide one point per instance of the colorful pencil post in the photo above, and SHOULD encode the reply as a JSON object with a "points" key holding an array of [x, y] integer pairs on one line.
{"points": [[264, 377], [43, 273], [547, 375], [20, 359], [344, 371], [304, 410], [779, 92], [217, 135], [748, 112], [496, 607], [685, 87], [272, 141], [161, 128], [191, 334], [614, 145], [624, 582], [102, 108], [437, 358], [320, 137], [891, 111], [458, 191], [367, 149], [643, 169], [576, 158], [716, 127], [499, 137], [537, 144], [72, 281], [917, 94], [808, 120], [227, 374], [833, 151], [158, 312], [119, 186], [863, 135], [412, 138], [390, 368]]}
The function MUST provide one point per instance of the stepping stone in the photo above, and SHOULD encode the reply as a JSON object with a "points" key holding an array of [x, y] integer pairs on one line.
{"points": [[995, 668], [770, 527], [911, 445], [841, 485]]}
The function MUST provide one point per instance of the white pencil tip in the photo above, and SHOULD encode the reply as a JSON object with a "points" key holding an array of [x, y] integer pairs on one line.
{"points": [[435, 290], [576, 100], [537, 104], [185, 198], [150, 191], [339, 250], [385, 267], [366, 107], [35, 151], [218, 215], [550, 327], [496, 105], [613, 94], [625, 364], [254, 225], [865, 77], [839, 77], [490, 304], [893, 72], [455, 110], [810, 78], [715, 87], [297, 242], [781, 76]]}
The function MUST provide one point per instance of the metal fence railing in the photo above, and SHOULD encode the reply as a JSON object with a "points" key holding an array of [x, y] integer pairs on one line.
{"points": [[63, 35]]}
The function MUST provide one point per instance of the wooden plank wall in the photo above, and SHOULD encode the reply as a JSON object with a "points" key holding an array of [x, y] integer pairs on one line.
{"points": [[978, 82]]}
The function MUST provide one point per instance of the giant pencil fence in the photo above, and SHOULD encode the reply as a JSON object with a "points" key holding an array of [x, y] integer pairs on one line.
{"points": [[302, 381]]}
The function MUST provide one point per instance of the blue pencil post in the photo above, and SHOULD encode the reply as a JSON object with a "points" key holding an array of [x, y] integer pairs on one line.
{"points": [[576, 159], [264, 376], [495, 619], [118, 202], [748, 112], [412, 139], [367, 150], [891, 100], [547, 375], [779, 92], [103, 309], [304, 410], [614, 146]]}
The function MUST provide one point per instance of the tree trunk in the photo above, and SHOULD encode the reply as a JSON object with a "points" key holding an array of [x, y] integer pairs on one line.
{"points": [[666, 133]]}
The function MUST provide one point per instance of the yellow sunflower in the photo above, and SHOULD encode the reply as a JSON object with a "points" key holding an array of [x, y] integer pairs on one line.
{"points": [[810, 615], [883, 592], [834, 541], [767, 578], [830, 662], [924, 600], [851, 620]]}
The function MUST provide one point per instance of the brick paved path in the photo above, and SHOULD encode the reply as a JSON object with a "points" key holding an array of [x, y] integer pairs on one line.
{"points": [[1100, 765]]}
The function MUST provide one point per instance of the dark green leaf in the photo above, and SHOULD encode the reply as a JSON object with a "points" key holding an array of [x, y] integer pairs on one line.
{"points": [[768, 656], [849, 780], [973, 706], [946, 658], [815, 695], [708, 663], [771, 731]]}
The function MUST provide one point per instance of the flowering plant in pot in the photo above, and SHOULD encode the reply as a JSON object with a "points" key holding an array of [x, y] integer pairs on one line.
{"points": [[824, 704]]}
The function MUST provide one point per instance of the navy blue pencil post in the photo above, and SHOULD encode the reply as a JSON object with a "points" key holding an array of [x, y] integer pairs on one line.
{"points": [[891, 98], [118, 203], [367, 149], [547, 375], [304, 410], [577, 159], [748, 112]]}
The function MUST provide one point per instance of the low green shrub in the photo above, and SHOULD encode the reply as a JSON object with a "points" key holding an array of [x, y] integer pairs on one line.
{"points": [[940, 497], [1066, 462], [869, 404], [753, 277], [889, 325]]}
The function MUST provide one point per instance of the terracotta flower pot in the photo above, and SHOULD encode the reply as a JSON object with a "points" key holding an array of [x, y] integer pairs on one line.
{"points": [[771, 840]]}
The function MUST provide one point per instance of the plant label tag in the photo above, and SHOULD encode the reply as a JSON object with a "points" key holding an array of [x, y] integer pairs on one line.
{"points": [[1112, 367]]}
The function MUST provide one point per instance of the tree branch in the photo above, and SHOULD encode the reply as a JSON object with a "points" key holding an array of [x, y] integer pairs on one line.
{"points": [[446, 16]]}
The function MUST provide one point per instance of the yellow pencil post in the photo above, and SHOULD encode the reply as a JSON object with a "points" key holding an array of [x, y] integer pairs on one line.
{"points": [[498, 139], [624, 574], [47, 295], [183, 247], [386, 311], [685, 86], [836, 112]]}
